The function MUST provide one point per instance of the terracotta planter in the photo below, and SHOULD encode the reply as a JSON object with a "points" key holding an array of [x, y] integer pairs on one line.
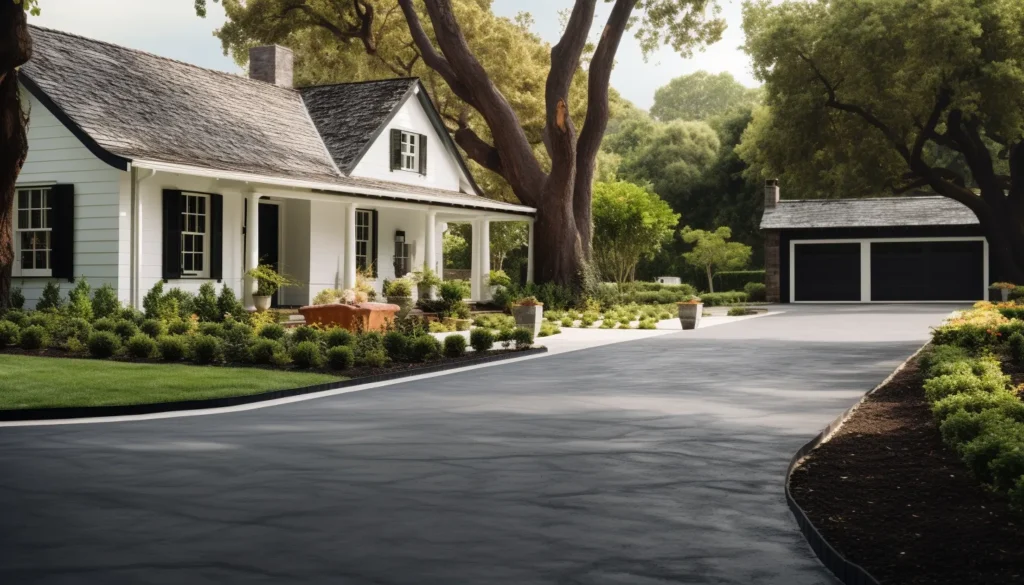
{"points": [[360, 317], [529, 317], [689, 315], [405, 304], [262, 303]]}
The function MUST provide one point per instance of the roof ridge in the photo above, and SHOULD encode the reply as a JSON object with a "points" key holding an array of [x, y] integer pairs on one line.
{"points": [[363, 82], [233, 76], [896, 198]]}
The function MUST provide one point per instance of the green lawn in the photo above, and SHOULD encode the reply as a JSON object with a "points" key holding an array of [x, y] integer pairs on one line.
{"points": [[43, 382]]}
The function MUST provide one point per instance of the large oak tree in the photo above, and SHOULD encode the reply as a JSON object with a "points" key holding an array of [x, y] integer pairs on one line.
{"points": [[896, 94], [558, 180]]}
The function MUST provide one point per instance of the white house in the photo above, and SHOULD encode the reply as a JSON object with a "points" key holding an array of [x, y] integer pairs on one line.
{"points": [[142, 169]]}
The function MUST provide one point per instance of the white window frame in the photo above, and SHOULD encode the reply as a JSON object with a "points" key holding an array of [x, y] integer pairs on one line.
{"points": [[410, 152], [47, 194], [364, 214], [205, 234], [865, 266]]}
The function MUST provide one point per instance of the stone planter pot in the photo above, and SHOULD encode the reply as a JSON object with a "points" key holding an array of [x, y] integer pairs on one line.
{"points": [[1004, 293], [689, 315], [262, 303], [361, 317], [425, 293], [459, 324], [405, 304], [529, 317]]}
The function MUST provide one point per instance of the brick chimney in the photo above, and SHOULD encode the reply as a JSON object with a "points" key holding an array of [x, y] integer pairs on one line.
{"points": [[272, 64], [771, 193]]}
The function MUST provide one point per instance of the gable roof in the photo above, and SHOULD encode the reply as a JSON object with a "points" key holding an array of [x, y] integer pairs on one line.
{"points": [[129, 106], [934, 210]]}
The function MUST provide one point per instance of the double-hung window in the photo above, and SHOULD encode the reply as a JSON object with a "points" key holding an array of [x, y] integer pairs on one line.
{"points": [[32, 231], [410, 152], [364, 235], [195, 235]]}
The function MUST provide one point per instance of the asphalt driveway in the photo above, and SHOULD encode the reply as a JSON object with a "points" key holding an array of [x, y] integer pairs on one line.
{"points": [[649, 462]]}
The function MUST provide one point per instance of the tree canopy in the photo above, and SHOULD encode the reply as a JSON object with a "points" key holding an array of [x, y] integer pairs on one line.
{"points": [[630, 223], [865, 96], [701, 96], [713, 252]]}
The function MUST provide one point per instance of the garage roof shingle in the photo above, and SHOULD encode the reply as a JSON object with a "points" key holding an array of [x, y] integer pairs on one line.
{"points": [[871, 212]]}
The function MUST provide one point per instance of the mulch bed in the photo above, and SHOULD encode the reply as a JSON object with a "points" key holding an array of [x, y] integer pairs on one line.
{"points": [[891, 497]]}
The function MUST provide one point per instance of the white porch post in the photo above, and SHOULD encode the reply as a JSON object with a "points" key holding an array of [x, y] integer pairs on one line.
{"points": [[474, 265], [430, 249], [485, 259], [349, 280], [529, 252], [252, 245]]}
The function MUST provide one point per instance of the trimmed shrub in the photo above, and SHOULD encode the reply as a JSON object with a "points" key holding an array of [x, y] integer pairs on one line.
{"points": [[425, 348], [757, 292], [937, 388], [937, 354], [37, 319], [262, 351], [733, 280], [962, 427], [1016, 295], [9, 333], [974, 402], [370, 342], [228, 304], [104, 302], [1016, 347], [237, 339], [968, 336], [64, 329], [306, 354], [376, 358], [338, 337], [50, 299], [997, 442], [103, 344], [723, 298], [211, 329], [179, 327], [207, 349], [306, 333], [17, 299], [131, 314], [79, 304], [173, 348], [396, 344], [523, 338], [273, 331], [206, 304], [141, 346], [16, 316], [153, 328], [340, 357], [33, 337], [481, 339], [548, 329], [126, 329], [105, 324], [454, 346]]}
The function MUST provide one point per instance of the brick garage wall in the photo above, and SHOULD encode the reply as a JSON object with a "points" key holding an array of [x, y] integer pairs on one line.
{"points": [[773, 266]]}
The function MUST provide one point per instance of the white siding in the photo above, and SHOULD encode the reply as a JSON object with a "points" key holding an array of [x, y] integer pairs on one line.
{"points": [[442, 170], [56, 156], [295, 236], [327, 246]]}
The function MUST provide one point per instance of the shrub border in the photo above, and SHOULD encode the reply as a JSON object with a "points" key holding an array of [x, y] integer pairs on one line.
{"points": [[845, 570], [40, 414]]}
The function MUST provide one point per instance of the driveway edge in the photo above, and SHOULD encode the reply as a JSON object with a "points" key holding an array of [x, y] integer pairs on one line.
{"points": [[845, 570], [43, 414]]}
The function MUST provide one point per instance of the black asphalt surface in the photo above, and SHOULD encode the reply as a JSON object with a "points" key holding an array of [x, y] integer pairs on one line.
{"points": [[649, 462]]}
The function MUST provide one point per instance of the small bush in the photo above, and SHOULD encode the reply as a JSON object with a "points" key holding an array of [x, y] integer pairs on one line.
{"points": [[306, 354], [376, 358], [396, 344], [104, 302], [179, 327], [523, 338], [739, 312], [340, 357], [237, 339], [131, 314], [141, 346], [16, 316], [228, 304], [369, 342], [273, 331], [973, 402], [1016, 347], [647, 324], [125, 329], [262, 351], [425, 348], [64, 329], [338, 337], [454, 346], [481, 339], [207, 349], [937, 388], [757, 292], [723, 298], [173, 348], [9, 333], [549, 329], [211, 329], [153, 328], [34, 337], [997, 442], [306, 333], [103, 344], [206, 303], [79, 304], [105, 324], [17, 299], [37, 319], [50, 299]]}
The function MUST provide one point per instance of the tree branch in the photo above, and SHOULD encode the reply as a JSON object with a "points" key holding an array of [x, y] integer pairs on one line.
{"points": [[479, 150], [928, 129], [430, 56]]}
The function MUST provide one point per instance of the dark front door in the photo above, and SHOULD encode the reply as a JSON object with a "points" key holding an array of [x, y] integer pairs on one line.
{"points": [[927, 271], [827, 272], [269, 241]]}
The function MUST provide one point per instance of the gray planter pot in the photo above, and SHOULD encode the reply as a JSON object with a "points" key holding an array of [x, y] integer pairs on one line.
{"points": [[1005, 294], [529, 317], [405, 305], [262, 303], [689, 315]]}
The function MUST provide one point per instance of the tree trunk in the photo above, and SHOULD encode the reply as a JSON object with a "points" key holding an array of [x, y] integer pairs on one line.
{"points": [[15, 50], [559, 256], [711, 282]]}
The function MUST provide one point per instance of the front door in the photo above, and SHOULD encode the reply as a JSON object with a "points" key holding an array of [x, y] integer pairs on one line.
{"points": [[269, 240]]}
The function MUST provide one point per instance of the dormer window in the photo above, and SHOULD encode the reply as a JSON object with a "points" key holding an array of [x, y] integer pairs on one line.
{"points": [[408, 151]]}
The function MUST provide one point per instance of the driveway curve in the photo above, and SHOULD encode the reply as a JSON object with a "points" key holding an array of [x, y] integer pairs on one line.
{"points": [[649, 462]]}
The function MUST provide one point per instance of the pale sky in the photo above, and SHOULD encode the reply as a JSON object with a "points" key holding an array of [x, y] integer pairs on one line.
{"points": [[170, 28]]}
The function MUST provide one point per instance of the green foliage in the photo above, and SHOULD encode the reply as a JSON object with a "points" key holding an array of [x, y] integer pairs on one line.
{"points": [[131, 314], [125, 329], [17, 300], [263, 351], [735, 280], [1016, 295], [34, 337], [207, 349], [306, 333], [972, 337], [701, 96], [16, 316], [522, 337], [506, 237], [1016, 346], [340, 357], [50, 299], [9, 333], [104, 302], [499, 278], [337, 337], [228, 304], [151, 302], [454, 346], [712, 251], [103, 344], [942, 386], [548, 329], [272, 331], [551, 295], [455, 248], [424, 348], [370, 350], [206, 303], [173, 348], [397, 345], [268, 281], [400, 287], [79, 303], [631, 223], [214, 329], [105, 324], [721, 299], [141, 346], [179, 327], [481, 339], [757, 292]]}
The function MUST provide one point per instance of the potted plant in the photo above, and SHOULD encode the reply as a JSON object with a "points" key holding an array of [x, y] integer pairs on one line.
{"points": [[399, 292], [1004, 289], [268, 282], [528, 312], [498, 279], [690, 312], [426, 281]]}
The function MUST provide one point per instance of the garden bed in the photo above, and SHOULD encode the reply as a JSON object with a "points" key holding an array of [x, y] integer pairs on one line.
{"points": [[889, 495]]}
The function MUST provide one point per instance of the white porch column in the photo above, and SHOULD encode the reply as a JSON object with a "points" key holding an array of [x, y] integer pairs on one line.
{"points": [[485, 259], [474, 264], [349, 279], [252, 245], [529, 252], [430, 247]]}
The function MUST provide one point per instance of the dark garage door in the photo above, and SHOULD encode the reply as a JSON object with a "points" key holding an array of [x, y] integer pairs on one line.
{"points": [[927, 271], [827, 272]]}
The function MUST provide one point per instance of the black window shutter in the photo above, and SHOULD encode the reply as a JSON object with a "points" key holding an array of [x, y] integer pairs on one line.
{"points": [[396, 149], [373, 242], [216, 237], [423, 154], [172, 234], [62, 232]]}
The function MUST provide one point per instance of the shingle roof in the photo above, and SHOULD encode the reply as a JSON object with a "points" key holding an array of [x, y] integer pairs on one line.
{"points": [[348, 115], [871, 212]]}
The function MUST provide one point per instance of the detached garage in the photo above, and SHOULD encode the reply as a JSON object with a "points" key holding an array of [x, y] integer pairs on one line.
{"points": [[891, 249]]}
